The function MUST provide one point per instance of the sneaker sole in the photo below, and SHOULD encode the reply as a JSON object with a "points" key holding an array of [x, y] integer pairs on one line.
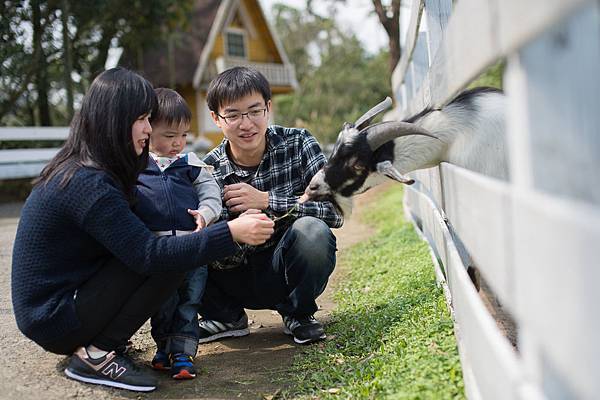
{"points": [[226, 334], [160, 367], [103, 382], [305, 341], [184, 375]]}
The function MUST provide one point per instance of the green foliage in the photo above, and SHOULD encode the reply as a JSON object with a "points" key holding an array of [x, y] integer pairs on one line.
{"points": [[94, 26], [338, 80], [491, 77], [391, 335]]}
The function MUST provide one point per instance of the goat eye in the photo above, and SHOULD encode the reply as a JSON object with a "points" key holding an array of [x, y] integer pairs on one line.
{"points": [[359, 168]]}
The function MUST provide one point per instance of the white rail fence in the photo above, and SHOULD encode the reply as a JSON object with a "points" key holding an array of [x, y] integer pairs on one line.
{"points": [[27, 162], [534, 239]]}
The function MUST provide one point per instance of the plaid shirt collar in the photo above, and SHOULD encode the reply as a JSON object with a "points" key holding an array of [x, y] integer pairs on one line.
{"points": [[227, 168]]}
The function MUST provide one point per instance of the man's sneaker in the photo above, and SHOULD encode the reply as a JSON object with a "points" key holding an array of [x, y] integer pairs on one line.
{"points": [[161, 361], [305, 330], [212, 330], [113, 369], [182, 366]]}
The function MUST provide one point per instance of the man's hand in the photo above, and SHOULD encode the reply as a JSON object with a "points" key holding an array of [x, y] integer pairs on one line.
{"points": [[253, 229], [240, 197], [198, 218]]}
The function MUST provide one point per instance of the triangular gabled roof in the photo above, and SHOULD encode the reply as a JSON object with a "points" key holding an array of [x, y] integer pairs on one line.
{"points": [[184, 58], [184, 46], [224, 15]]}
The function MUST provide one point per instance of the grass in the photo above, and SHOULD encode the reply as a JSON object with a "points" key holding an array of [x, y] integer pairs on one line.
{"points": [[493, 76], [391, 335]]}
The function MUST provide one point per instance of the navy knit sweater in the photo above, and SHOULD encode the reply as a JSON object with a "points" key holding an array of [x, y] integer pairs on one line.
{"points": [[66, 234]]}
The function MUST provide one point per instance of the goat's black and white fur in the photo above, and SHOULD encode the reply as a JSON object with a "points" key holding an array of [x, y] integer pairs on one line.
{"points": [[468, 132]]}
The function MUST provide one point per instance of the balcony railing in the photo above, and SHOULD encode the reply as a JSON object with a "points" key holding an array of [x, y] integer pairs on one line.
{"points": [[276, 74]]}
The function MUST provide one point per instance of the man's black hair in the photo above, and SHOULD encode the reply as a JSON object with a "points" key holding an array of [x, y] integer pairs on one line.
{"points": [[172, 108], [235, 83]]}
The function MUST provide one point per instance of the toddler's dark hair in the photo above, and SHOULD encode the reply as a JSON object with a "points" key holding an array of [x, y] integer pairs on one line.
{"points": [[172, 108]]}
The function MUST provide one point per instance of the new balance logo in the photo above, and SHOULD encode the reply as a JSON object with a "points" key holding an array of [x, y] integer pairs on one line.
{"points": [[113, 370]]}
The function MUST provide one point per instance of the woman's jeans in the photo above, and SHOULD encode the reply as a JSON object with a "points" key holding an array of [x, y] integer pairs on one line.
{"points": [[287, 278], [113, 304], [175, 326]]}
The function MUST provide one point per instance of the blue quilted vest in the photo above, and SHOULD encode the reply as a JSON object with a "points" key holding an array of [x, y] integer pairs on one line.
{"points": [[164, 197]]}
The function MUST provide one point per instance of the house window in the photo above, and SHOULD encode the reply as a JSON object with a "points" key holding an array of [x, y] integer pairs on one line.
{"points": [[236, 44]]}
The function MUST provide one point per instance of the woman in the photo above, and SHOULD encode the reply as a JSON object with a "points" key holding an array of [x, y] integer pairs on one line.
{"points": [[86, 271]]}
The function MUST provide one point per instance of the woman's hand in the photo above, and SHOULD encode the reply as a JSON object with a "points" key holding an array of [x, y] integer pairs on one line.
{"points": [[251, 228]]}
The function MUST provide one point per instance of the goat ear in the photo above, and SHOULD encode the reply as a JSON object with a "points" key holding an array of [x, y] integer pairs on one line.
{"points": [[387, 168]]}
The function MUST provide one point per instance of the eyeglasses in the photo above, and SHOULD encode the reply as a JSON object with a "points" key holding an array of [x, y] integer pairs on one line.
{"points": [[237, 117]]}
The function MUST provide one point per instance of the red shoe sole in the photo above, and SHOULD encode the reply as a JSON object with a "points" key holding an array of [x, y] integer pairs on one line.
{"points": [[183, 374], [160, 367]]}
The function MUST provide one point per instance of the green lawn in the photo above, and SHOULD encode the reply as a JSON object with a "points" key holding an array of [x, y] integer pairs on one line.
{"points": [[391, 335]]}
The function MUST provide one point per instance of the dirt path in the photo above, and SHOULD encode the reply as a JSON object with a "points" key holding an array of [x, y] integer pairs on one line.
{"points": [[247, 368]]}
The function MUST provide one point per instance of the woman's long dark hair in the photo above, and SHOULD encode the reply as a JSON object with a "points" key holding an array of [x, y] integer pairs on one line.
{"points": [[100, 134]]}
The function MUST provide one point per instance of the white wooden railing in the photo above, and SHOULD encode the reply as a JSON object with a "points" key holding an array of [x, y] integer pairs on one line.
{"points": [[276, 74], [533, 239], [26, 162]]}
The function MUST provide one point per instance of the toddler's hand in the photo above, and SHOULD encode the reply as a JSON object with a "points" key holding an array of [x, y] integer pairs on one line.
{"points": [[198, 218]]}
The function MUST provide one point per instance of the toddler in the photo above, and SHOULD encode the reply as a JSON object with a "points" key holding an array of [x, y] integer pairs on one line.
{"points": [[176, 195]]}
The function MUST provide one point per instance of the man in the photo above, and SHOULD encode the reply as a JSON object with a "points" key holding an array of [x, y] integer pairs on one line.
{"points": [[267, 169]]}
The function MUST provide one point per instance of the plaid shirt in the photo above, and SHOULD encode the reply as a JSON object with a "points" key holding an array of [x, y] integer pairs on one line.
{"points": [[291, 159]]}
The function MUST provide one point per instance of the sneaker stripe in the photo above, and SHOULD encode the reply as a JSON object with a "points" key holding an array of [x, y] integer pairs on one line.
{"points": [[292, 323], [100, 363], [214, 326], [106, 382], [304, 330], [225, 334]]}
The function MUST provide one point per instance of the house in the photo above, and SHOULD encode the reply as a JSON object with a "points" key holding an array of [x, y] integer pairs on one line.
{"points": [[219, 35]]}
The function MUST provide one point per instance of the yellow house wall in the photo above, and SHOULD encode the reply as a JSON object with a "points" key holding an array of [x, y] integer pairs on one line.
{"points": [[261, 49], [218, 49], [189, 94]]}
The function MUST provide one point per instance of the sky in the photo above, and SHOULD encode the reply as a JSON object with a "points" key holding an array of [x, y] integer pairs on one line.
{"points": [[356, 15]]}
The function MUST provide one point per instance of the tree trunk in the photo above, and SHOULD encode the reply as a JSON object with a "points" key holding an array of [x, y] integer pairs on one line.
{"points": [[97, 65], [389, 17], [67, 58], [41, 72]]}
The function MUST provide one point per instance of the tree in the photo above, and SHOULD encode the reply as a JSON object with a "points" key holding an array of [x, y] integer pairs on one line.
{"points": [[37, 64], [388, 14], [16, 68], [67, 56], [389, 17], [338, 80]]}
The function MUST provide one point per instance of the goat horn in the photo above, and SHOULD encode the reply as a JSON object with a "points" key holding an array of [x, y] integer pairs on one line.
{"points": [[369, 115], [383, 132]]}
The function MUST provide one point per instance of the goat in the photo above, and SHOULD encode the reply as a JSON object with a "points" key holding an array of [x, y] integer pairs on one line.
{"points": [[468, 132]]}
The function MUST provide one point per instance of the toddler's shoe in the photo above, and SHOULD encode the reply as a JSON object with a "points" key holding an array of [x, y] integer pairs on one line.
{"points": [[161, 361], [182, 366]]}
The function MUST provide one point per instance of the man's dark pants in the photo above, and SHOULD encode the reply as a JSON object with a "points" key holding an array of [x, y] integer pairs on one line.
{"points": [[287, 278]]}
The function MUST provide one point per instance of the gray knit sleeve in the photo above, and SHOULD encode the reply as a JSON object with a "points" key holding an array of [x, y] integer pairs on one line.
{"points": [[209, 196]]}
